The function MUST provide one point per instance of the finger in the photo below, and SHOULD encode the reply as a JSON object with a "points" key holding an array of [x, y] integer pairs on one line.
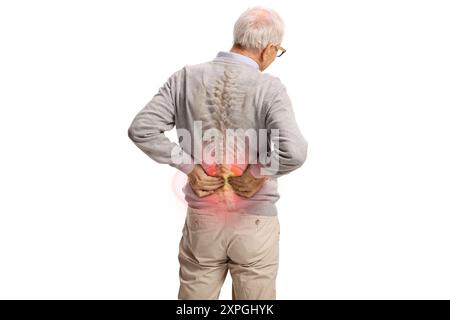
{"points": [[233, 184], [205, 177], [210, 183], [245, 187], [212, 187], [238, 184], [240, 179], [240, 189], [202, 193], [243, 194], [235, 180], [250, 194]]}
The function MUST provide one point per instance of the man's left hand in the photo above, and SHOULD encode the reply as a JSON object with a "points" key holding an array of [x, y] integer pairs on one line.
{"points": [[246, 185]]}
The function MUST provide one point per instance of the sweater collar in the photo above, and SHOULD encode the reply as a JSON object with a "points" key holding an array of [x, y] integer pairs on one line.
{"points": [[238, 57]]}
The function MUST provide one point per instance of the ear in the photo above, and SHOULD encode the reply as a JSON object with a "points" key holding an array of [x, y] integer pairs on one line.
{"points": [[268, 49], [266, 52]]}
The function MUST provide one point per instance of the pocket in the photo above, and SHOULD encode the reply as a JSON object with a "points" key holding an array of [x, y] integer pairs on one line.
{"points": [[255, 240], [200, 222], [254, 222], [202, 234]]}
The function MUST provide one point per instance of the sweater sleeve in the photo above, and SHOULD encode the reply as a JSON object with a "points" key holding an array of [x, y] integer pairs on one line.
{"points": [[148, 127], [290, 147]]}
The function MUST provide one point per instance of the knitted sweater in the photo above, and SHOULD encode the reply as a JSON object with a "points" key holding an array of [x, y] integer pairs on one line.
{"points": [[220, 96]]}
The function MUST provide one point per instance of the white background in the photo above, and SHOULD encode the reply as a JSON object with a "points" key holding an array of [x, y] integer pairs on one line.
{"points": [[86, 215]]}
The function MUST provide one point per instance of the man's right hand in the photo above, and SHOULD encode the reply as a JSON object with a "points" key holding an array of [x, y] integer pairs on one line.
{"points": [[202, 184]]}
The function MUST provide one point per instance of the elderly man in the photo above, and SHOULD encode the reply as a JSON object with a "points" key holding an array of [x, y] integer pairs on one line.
{"points": [[231, 221]]}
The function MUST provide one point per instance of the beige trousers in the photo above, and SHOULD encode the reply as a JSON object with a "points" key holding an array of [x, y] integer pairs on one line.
{"points": [[212, 244]]}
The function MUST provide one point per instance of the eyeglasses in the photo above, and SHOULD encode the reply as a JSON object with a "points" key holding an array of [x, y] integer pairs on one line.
{"points": [[280, 48]]}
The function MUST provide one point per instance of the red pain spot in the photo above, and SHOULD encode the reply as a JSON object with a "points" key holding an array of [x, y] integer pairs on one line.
{"points": [[235, 170]]}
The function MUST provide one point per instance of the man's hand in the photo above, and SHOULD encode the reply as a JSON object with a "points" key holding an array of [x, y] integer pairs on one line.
{"points": [[202, 184], [246, 185]]}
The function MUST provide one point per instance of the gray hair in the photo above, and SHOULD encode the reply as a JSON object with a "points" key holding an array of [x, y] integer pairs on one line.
{"points": [[256, 27]]}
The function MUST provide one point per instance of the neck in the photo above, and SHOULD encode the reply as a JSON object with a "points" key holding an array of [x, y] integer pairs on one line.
{"points": [[247, 53]]}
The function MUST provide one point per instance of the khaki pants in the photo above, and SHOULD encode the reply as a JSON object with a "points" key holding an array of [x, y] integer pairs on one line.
{"points": [[212, 244]]}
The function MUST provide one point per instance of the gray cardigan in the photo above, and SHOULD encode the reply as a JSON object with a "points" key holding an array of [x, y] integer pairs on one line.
{"points": [[227, 92]]}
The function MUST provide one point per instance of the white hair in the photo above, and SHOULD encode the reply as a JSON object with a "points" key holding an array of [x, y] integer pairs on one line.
{"points": [[257, 27]]}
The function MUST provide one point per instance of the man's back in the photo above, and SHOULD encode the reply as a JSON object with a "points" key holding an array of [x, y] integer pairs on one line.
{"points": [[222, 94]]}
